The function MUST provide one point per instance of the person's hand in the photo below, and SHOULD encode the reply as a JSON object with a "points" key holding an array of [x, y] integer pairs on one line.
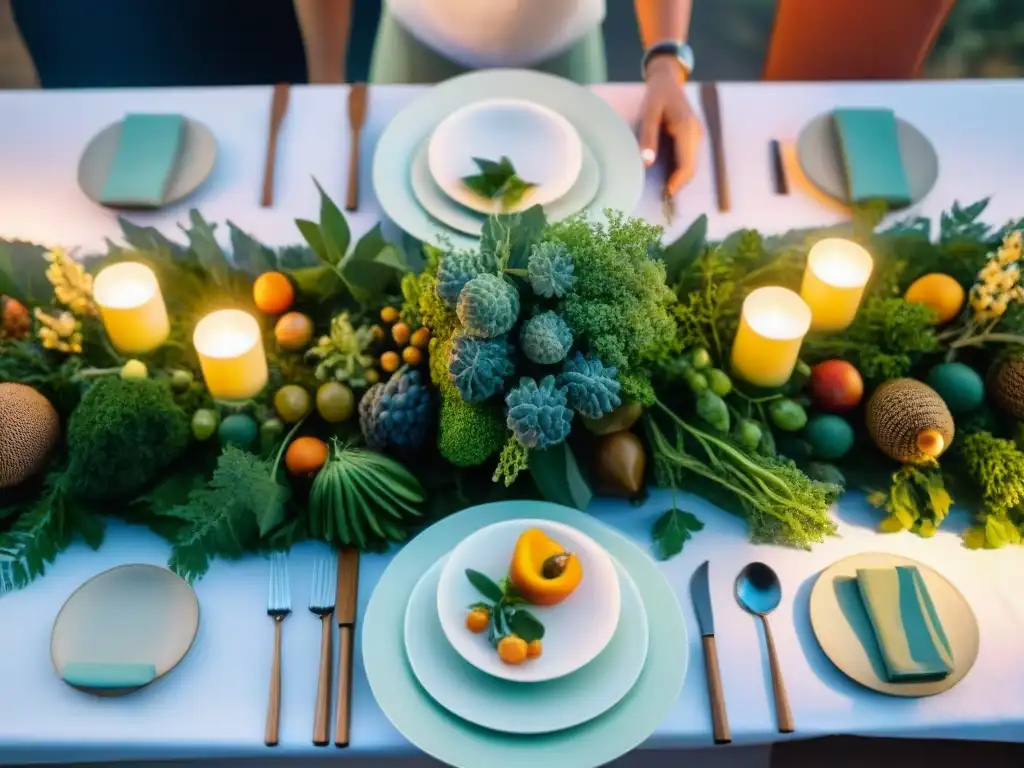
{"points": [[665, 104]]}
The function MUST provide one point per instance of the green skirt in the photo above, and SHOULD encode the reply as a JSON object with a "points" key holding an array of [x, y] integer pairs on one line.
{"points": [[398, 57]]}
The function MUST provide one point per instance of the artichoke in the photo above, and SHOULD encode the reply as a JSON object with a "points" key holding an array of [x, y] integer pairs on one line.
{"points": [[550, 270], [546, 338], [537, 414], [593, 389], [479, 367], [458, 268]]}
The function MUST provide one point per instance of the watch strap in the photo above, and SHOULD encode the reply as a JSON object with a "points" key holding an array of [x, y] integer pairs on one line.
{"points": [[677, 49]]}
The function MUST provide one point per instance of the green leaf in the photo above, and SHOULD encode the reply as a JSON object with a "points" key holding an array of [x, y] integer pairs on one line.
{"points": [[319, 283], [149, 239], [524, 624], [680, 255], [558, 477], [23, 273], [484, 585], [511, 236], [310, 230], [369, 245], [250, 255], [999, 532], [333, 228], [672, 530], [204, 244], [394, 257]]}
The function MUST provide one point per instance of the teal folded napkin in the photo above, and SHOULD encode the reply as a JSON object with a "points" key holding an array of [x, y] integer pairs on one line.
{"points": [[88, 674], [910, 637], [870, 146], [147, 153]]}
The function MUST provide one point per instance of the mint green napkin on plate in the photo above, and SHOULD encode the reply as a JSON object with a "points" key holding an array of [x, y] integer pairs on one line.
{"points": [[910, 637], [147, 153], [87, 674], [870, 146]]}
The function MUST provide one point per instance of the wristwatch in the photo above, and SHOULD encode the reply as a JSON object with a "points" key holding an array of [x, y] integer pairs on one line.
{"points": [[677, 49]]}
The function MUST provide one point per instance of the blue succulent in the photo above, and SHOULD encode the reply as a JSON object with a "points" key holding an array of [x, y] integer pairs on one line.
{"points": [[488, 306], [537, 414], [593, 387], [479, 367], [546, 338], [397, 416], [458, 268], [550, 270]]}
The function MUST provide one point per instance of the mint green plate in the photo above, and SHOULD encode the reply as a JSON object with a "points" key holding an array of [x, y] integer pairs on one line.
{"points": [[515, 707], [445, 737], [600, 127]]}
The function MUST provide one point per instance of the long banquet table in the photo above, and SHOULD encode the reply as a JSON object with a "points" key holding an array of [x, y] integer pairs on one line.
{"points": [[213, 705]]}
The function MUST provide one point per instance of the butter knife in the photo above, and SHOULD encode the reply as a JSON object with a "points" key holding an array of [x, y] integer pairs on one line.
{"points": [[700, 593], [713, 117], [345, 613], [357, 97]]}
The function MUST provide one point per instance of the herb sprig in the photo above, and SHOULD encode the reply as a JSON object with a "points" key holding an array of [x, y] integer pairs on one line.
{"points": [[508, 617], [498, 181]]}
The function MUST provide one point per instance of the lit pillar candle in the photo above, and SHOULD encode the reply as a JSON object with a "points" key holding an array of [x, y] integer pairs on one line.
{"points": [[773, 323], [230, 349], [132, 307], [837, 271]]}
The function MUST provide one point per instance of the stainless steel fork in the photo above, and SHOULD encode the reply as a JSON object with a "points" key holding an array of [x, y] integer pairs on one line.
{"points": [[279, 605], [321, 604]]}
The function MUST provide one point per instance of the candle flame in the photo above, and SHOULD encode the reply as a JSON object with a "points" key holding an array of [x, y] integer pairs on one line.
{"points": [[124, 286], [842, 263]]}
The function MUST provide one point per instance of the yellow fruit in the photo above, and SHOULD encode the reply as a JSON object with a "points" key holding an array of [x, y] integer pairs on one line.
{"points": [[389, 314], [477, 620], [293, 331], [400, 333], [534, 649], [29, 429], [909, 421], [273, 293], [940, 292], [371, 376], [292, 403], [390, 361], [412, 356], [512, 649], [134, 369], [335, 402], [421, 338]]}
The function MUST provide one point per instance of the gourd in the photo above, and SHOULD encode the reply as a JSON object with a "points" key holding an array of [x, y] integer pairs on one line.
{"points": [[29, 429], [909, 421], [1006, 386]]}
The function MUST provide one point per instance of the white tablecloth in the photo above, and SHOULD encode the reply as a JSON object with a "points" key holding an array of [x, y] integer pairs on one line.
{"points": [[213, 705]]}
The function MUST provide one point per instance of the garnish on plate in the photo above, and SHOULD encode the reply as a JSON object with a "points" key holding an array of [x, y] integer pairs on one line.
{"points": [[542, 571], [498, 181], [514, 632]]}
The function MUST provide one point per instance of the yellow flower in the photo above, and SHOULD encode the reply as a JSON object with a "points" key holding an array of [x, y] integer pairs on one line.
{"points": [[991, 271], [72, 285], [1009, 279], [998, 308]]}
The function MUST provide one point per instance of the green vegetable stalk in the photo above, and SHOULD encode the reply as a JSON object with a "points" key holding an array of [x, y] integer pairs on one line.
{"points": [[782, 504]]}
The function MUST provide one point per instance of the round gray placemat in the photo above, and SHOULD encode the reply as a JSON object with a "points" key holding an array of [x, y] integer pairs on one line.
{"points": [[196, 159], [817, 149]]}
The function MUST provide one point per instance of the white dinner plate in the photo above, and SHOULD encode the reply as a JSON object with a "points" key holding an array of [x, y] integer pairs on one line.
{"points": [[599, 126], [542, 146], [576, 629], [504, 706], [451, 214]]}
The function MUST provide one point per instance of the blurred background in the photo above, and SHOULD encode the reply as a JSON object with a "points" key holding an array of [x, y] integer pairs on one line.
{"points": [[121, 43]]}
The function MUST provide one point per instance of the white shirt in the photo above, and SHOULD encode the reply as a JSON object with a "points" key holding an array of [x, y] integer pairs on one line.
{"points": [[498, 33]]}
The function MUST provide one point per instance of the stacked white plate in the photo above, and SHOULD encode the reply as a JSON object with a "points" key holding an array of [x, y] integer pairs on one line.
{"points": [[576, 150], [614, 652]]}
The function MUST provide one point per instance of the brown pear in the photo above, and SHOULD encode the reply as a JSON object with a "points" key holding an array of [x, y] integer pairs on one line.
{"points": [[619, 464]]}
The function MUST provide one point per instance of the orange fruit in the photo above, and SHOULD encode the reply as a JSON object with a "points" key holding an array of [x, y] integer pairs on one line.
{"points": [[512, 649], [305, 456], [390, 361], [940, 292], [533, 649], [400, 333], [293, 331], [421, 337], [389, 314], [273, 293], [477, 620], [412, 356]]}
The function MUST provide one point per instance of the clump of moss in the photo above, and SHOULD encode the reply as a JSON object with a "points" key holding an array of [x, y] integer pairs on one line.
{"points": [[123, 433]]}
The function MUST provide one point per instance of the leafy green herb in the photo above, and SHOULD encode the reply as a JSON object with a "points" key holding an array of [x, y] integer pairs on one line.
{"points": [[917, 500], [996, 466], [498, 181], [672, 530], [525, 624], [484, 585]]}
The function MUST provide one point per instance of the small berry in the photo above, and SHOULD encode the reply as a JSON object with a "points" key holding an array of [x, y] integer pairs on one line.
{"points": [[512, 649], [400, 333], [371, 376], [389, 314], [390, 361], [412, 355], [477, 620], [533, 649], [421, 337]]}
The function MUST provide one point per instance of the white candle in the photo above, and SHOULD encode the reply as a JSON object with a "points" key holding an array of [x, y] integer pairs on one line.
{"points": [[833, 285], [132, 307], [773, 323], [230, 348]]}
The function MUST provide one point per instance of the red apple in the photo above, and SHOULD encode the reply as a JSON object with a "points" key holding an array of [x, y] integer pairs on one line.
{"points": [[835, 386]]}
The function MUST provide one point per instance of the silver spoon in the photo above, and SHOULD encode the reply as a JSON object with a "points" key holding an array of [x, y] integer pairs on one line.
{"points": [[759, 592]]}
